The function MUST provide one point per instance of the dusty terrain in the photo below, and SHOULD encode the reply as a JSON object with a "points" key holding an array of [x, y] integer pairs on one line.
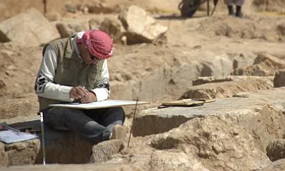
{"points": [[219, 46]]}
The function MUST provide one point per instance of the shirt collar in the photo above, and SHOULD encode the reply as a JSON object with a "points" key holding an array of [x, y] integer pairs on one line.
{"points": [[74, 44]]}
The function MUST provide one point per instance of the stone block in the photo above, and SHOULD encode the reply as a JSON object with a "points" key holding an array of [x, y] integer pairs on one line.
{"points": [[141, 28], [159, 120], [214, 141], [30, 28], [23, 153], [224, 89]]}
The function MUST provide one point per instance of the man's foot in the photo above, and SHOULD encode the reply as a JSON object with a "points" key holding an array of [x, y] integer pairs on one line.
{"points": [[119, 132]]}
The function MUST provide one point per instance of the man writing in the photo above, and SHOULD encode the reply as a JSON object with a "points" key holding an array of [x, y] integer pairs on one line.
{"points": [[75, 69]]}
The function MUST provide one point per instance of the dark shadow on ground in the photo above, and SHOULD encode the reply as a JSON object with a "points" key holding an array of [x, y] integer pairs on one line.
{"points": [[176, 17]]}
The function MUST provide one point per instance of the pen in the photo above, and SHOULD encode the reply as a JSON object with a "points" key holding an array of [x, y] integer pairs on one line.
{"points": [[79, 99]]}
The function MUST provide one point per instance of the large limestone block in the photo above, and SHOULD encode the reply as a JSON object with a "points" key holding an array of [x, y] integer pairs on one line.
{"points": [[246, 111], [217, 143], [28, 29], [263, 65], [238, 85], [140, 26], [22, 153]]}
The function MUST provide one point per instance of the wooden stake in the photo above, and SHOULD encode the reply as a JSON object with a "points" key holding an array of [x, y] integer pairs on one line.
{"points": [[134, 117]]}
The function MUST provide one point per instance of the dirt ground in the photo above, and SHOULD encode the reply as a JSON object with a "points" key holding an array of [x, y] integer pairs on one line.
{"points": [[187, 40], [194, 47]]}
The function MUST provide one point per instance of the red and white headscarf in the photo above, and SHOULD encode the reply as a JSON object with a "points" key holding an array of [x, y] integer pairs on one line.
{"points": [[98, 43]]}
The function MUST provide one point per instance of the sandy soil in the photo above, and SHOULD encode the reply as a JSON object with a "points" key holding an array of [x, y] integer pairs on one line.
{"points": [[208, 44], [187, 40]]}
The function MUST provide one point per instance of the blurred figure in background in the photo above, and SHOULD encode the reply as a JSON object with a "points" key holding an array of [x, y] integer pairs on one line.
{"points": [[238, 6]]}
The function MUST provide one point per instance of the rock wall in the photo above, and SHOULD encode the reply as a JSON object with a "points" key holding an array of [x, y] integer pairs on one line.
{"points": [[21, 153]]}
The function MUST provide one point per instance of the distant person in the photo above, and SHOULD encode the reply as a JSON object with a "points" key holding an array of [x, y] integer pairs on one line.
{"points": [[238, 6], [189, 7], [75, 69]]}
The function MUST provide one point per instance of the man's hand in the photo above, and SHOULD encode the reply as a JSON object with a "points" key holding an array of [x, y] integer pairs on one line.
{"points": [[82, 94], [90, 97], [78, 92]]}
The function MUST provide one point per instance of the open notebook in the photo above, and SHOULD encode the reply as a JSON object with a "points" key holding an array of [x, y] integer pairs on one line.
{"points": [[11, 136]]}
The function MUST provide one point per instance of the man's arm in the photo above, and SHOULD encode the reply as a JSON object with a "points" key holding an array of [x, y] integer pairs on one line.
{"points": [[44, 85]]}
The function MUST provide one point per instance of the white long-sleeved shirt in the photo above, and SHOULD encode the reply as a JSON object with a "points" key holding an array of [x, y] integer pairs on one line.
{"points": [[45, 86]]}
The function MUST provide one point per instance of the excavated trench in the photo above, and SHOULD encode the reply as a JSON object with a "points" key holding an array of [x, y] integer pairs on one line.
{"points": [[264, 124], [244, 121]]}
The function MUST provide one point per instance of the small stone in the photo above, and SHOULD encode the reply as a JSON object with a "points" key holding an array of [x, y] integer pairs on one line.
{"points": [[104, 150]]}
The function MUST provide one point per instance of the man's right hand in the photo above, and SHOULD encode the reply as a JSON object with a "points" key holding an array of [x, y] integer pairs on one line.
{"points": [[78, 92]]}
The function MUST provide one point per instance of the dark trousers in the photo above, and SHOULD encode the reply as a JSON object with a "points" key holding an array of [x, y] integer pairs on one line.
{"points": [[95, 125]]}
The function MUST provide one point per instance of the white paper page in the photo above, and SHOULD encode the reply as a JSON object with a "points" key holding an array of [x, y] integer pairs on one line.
{"points": [[9, 136], [101, 104]]}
